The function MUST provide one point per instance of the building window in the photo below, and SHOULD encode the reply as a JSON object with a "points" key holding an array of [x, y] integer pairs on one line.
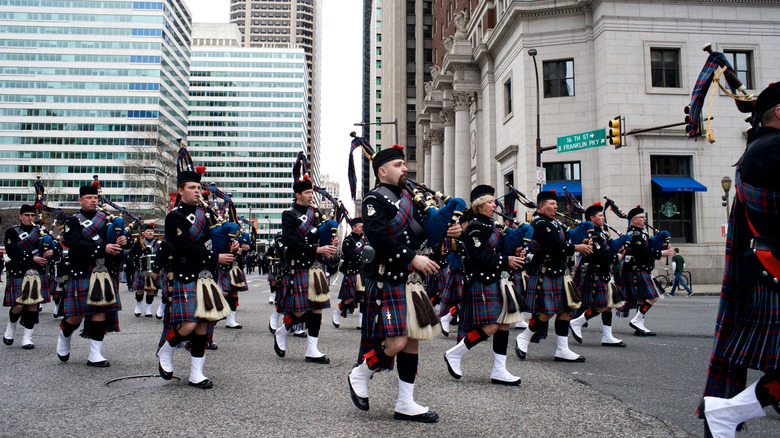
{"points": [[379, 80], [742, 61], [378, 51], [673, 211], [561, 173], [378, 63], [379, 135], [558, 78], [378, 94], [665, 68], [508, 97]]}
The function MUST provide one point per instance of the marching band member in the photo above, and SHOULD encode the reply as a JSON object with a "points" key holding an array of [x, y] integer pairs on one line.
{"points": [[482, 298], [196, 300], [299, 224], [93, 264], [451, 297], [635, 275], [27, 284], [545, 294], [147, 245], [349, 294], [593, 277], [748, 324], [392, 223]]}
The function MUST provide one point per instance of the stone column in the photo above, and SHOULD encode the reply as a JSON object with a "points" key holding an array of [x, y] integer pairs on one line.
{"points": [[426, 146], [437, 157], [448, 171], [462, 162]]}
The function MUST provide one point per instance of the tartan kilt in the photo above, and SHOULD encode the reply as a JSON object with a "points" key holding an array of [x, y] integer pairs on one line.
{"points": [[75, 295], [637, 285], [348, 289], [183, 302], [594, 293], [546, 295], [13, 288], [137, 284], [481, 303], [162, 282], [376, 324], [453, 292], [755, 339], [296, 295], [436, 282], [223, 279]]}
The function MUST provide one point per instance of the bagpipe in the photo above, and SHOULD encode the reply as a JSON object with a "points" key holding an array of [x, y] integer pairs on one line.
{"points": [[716, 66], [659, 237], [580, 233], [436, 220], [41, 206], [210, 302], [225, 231]]}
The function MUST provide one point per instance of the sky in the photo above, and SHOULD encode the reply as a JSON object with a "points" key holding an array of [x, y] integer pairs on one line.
{"points": [[340, 85]]}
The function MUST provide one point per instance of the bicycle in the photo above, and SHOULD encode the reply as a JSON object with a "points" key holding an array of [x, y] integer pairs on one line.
{"points": [[666, 279]]}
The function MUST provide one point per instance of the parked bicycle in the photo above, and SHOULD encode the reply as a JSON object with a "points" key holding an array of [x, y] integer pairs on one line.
{"points": [[666, 279]]}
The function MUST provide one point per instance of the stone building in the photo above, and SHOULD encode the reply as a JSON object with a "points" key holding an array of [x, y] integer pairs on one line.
{"points": [[596, 60]]}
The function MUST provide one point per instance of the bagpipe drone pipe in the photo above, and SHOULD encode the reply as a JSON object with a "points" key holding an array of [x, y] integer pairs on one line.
{"points": [[436, 220]]}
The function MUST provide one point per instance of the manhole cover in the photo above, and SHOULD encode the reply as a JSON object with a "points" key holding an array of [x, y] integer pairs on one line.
{"points": [[148, 381]]}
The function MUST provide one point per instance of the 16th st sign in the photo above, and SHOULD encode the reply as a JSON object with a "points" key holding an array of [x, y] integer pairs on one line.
{"points": [[584, 140]]}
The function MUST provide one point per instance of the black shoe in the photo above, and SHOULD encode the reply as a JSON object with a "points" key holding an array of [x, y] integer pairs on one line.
{"points": [[205, 384], [640, 332], [360, 402], [28, 346], [64, 358], [691, 293], [148, 315], [8, 341], [301, 335], [322, 359], [615, 344], [137, 315], [164, 374], [449, 368], [271, 329], [428, 417], [101, 364], [520, 353], [279, 351], [445, 333], [574, 335], [236, 327], [211, 346], [505, 383], [578, 359], [158, 317]]}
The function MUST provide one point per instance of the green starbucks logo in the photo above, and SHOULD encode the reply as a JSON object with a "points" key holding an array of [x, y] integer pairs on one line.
{"points": [[668, 209]]}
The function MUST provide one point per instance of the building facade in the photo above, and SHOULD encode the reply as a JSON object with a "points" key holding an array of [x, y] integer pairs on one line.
{"points": [[596, 60], [284, 24], [89, 88], [248, 120]]}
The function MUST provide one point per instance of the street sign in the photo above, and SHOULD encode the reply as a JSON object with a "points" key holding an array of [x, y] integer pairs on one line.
{"points": [[541, 175], [584, 140]]}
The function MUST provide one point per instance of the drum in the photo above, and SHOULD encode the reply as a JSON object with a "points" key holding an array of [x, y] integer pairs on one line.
{"points": [[147, 264]]}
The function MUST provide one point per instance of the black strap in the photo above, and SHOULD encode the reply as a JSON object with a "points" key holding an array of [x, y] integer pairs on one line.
{"points": [[765, 243], [414, 226]]}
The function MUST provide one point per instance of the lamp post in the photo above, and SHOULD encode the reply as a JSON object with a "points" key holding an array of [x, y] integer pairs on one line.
{"points": [[532, 54], [725, 182]]}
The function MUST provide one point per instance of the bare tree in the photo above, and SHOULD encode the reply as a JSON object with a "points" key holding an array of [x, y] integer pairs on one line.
{"points": [[151, 164]]}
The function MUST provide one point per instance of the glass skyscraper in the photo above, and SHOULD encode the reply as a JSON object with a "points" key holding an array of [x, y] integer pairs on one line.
{"points": [[248, 120], [91, 87]]}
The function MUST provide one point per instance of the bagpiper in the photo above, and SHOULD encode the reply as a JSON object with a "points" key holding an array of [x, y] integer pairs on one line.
{"points": [[351, 292], [747, 331], [306, 287], [91, 290], [27, 283], [393, 225], [143, 255]]}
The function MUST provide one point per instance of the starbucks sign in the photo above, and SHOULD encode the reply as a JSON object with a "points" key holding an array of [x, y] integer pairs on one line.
{"points": [[668, 209]]}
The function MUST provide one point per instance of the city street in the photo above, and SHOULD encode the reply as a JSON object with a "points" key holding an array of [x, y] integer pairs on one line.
{"points": [[649, 389]]}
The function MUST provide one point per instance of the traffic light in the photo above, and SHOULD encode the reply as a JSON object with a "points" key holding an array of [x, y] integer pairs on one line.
{"points": [[615, 132]]}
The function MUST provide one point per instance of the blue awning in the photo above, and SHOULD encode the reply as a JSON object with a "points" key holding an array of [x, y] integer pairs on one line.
{"points": [[678, 184], [575, 187]]}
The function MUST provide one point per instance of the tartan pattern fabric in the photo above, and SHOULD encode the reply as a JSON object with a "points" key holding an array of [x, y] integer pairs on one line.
{"points": [[700, 92], [306, 225], [162, 282], [387, 319], [296, 296], [637, 285], [492, 243], [13, 288], [397, 225], [546, 295], [594, 292], [746, 329], [348, 289], [481, 303], [75, 295], [198, 227], [436, 282], [452, 295], [138, 282], [183, 302], [98, 222], [30, 242], [223, 279]]}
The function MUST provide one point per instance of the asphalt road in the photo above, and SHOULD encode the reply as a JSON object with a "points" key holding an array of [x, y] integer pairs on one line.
{"points": [[649, 389]]}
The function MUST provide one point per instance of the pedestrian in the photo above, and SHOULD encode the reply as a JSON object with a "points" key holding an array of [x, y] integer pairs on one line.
{"points": [[678, 265], [747, 331]]}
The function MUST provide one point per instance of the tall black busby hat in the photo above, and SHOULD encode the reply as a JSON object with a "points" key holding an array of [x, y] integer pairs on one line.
{"points": [[185, 168]]}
